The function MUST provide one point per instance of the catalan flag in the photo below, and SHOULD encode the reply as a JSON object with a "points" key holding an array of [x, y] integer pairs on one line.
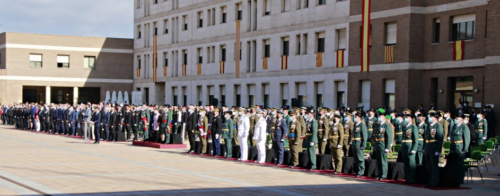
{"points": [[365, 38], [199, 69], [264, 63], [284, 62], [222, 67], [389, 54], [340, 58], [184, 69], [458, 50], [319, 59]]}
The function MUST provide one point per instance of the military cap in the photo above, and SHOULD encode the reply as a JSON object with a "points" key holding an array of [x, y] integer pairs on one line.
{"points": [[421, 115], [292, 114], [259, 112], [407, 115], [304, 108], [436, 115], [274, 109], [347, 114], [337, 116], [203, 110], [280, 112], [253, 107], [216, 109], [310, 111], [381, 111]]}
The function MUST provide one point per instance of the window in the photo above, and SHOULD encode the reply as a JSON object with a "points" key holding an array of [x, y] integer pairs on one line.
{"points": [[437, 30], [305, 44], [239, 11], [286, 45], [155, 2], [89, 62], [284, 94], [267, 7], [200, 55], [200, 19], [391, 30], [175, 4], [297, 45], [223, 17], [299, 4], [138, 31], [319, 94], [155, 26], [285, 5], [165, 61], [184, 57], [266, 93], [138, 62], [208, 55], [341, 39], [321, 2], [212, 16], [237, 91], [223, 53], [267, 48], [62, 61], [35, 60], [321, 42], [165, 26], [390, 97], [138, 4], [185, 22], [463, 27], [306, 3]]}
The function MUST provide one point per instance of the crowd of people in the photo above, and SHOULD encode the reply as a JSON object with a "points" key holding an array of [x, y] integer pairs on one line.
{"points": [[344, 131]]}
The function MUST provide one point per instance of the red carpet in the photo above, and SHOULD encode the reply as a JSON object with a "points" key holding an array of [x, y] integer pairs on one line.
{"points": [[158, 145]]}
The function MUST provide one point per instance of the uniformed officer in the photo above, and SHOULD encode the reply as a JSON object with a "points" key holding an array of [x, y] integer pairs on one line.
{"points": [[165, 128], [336, 138], [280, 133], [422, 126], [409, 148], [433, 138], [295, 132], [253, 121], [460, 140], [311, 138], [398, 126], [482, 128], [359, 138], [236, 119], [445, 125], [382, 138], [227, 134], [370, 123], [216, 132], [243, 132], [260, 136], [203, 132], [323, 130], [348, 126]]}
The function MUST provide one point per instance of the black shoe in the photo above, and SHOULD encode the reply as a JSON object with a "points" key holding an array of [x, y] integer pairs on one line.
{"points": [[334, 172], [357, 176], [377, 178]]}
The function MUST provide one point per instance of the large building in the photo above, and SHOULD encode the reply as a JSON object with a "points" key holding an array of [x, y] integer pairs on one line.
{"points": [[63, 69], [307, 52]]}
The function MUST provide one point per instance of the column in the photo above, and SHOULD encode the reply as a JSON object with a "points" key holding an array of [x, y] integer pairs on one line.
{"points": [[75, 95], [47, 94]]}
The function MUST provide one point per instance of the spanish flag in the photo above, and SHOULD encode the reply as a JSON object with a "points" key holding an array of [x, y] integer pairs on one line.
{"points": [[199, 69], [458, 50], [264, 63], [184, 73], [138, 73], [165, 71], [222, 67], [389, 54], [284, 62], [365, 38], [319, 59], [340, 58]]}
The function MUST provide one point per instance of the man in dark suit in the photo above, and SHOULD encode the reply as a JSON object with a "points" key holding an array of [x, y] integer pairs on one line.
{"points": [[490, 118], [192, 118], [280, 132], [96, 120], [216, 132], [106, 123], [112, 124]]}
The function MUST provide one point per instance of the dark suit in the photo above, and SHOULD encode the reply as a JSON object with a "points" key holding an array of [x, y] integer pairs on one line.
{"points": [[96, 119], [190, 128], [106, 124], [280, 132], [112, 124], [216, 129]]}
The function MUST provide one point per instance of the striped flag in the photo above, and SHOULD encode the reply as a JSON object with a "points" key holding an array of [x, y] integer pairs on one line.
{"points": [[365, 38], [458, 50], [199, 69], [264, 63], [319, 59], [284, 62], [138, 73], [155, 57], [222, 67], [165, 71], [340, 58], [184, 67], [389, 54]]}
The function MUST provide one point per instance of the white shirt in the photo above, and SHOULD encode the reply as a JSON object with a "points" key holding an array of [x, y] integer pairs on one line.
{"points": [[243, 126], [260, 130]]}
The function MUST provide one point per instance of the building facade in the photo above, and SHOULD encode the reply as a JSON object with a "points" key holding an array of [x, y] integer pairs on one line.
{"points": [[63, 69]]}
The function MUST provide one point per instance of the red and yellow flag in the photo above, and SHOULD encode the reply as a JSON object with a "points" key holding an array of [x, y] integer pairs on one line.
{"points": [[264, 63], [155, 57], [184, 73], [199, 69], [165, 71], [284, 62], [389, 54], [319, 59], [222, 67], [365, 38], [340, 58], [138, 72], [458, 50]]}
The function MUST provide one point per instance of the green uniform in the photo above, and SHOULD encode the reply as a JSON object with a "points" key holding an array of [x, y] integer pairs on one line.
{"points": [[420, 148], [165, 125], [433, 138], [382, 138], [336, 137], [227, 135], [370, 125], [145, 116], [236, 119], [482, 129], [359, 138], [348, 126], [398, 133], [252, 127], [294, 134], [408, 151], [460, 140], [445, 126], [311, 137], [288, 120], [323, 130], [203, 122]]}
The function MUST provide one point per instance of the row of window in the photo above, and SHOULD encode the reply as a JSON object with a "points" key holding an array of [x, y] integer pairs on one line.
{"points": [[36, 61], [285, 4]]}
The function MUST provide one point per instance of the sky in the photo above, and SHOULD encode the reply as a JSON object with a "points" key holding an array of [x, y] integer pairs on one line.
{"points": [[98, 18]]}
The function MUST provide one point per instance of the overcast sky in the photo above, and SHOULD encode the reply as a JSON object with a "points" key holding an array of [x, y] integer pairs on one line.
{"points": [[102, 18]]}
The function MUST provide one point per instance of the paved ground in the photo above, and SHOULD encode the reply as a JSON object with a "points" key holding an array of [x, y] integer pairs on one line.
{"points": [[38, 164]]}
